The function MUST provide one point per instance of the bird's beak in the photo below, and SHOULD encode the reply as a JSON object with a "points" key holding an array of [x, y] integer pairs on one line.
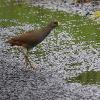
{"points": [[58, 23]]}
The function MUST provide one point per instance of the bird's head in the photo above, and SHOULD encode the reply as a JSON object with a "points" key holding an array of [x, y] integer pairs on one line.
{"points": [[53, 24]]}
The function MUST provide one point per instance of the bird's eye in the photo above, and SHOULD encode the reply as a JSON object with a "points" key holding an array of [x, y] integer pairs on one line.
{"points": [[56, 23]]}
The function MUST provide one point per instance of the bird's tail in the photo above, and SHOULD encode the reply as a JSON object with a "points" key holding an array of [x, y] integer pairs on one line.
{"points": [[10, 41]]}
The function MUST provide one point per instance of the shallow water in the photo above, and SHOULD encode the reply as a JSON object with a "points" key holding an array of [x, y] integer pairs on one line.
{"points": [[67, 61]]}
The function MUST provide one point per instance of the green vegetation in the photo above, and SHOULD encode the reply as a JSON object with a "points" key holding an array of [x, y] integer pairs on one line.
{"points": [[82, 29], [89, 77]]}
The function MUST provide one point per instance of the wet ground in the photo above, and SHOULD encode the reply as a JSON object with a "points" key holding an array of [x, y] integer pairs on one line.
{"points": [[67, 66]]}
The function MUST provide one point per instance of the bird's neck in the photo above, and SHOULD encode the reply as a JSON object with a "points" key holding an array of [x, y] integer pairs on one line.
{"points": [[46, 30], [49, 28]]}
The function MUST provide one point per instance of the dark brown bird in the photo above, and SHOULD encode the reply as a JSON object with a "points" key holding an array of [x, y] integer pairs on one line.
{"points": [[31, 38]]}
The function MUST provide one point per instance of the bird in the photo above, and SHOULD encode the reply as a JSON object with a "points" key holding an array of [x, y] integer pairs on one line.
{"points": [[32, 38]]}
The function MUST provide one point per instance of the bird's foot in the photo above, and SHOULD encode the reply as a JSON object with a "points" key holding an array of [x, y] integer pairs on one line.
{"points": [[32, 66]]}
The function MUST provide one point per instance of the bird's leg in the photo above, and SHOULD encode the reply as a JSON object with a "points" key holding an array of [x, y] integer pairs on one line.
{"points": [[25, 53], [27, 59]]}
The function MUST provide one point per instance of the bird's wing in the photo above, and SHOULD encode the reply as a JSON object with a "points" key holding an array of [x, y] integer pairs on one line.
{"points": [[30, 37]]}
